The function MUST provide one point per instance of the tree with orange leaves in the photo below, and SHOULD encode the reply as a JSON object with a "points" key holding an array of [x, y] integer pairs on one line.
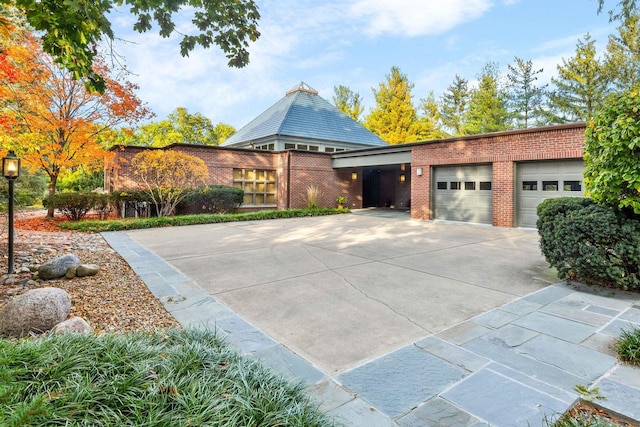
{"points": [[51, 120]]}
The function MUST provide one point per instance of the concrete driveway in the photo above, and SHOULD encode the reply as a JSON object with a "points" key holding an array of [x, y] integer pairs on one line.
{"points": [[342, 290]]}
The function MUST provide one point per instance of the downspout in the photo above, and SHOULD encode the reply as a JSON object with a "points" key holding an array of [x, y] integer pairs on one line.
{"points": [[289, 179]]}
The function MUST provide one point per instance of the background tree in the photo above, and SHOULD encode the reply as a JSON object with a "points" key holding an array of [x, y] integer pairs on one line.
{"points": [[622, 58], [454, 104], [168, 177], [581, 85], [621, 11], [180, 127], [429, 120], [394, 117], [51, 120], [348, 102], [612, 152], [222, 132], [487, 104], [71, 30], [525, 99]]}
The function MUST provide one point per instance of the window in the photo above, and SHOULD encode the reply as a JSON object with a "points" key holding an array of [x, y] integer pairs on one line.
{"points": [[314, 148], [442, 185], [329, 149], [266, 147], [289, 146], [572, 186], [259, 186], [304, 147], [549, 185], [485, 185], [530, 185], [469, 185], [454, 185]]}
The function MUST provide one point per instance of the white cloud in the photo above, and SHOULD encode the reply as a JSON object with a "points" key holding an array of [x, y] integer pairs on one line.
{"points": [[416, 17]]}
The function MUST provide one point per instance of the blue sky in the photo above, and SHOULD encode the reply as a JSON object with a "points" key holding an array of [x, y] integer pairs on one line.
{"points": [[355, 43]]}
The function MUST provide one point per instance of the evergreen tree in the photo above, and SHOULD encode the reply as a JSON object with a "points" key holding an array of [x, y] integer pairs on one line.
{"points": [[526, 100], [454, 104], [488, 104], [394, 117], [429, 120], [348, 101], [581, 85], [623, 54]]}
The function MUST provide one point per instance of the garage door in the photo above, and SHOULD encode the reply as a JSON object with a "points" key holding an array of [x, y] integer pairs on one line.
{"points": [[537, 181], [463, 193]]}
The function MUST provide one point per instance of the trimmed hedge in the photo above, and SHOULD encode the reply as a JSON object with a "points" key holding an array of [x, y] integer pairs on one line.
{"points": [[170, 221], [213, 199], [592, 243], [76, 205]]}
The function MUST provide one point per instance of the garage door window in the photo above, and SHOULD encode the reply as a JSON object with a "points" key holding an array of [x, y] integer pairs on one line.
{"points": [[454, 185], [469, 185], [530, 185], [549, 185], [572, 186], [485, 186], [442, 185]]}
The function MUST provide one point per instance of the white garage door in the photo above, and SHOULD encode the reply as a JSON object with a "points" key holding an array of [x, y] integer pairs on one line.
{"points": [[537, 181], [463, 193]]}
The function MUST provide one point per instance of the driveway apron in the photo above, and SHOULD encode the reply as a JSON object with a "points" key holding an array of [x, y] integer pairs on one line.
{"points": [[388, 320]]}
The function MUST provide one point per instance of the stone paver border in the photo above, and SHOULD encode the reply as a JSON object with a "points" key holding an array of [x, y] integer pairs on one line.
{"points": [[514, 365]]}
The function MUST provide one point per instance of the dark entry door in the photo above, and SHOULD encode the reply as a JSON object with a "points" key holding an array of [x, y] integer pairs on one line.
{"points": [[371, 188]]}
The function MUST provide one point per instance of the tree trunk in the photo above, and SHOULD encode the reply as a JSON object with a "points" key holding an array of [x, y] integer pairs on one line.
{"points": [[52, 191]]}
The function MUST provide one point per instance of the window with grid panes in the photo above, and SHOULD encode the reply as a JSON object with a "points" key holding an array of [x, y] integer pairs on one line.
{"points": [[259, 186]]}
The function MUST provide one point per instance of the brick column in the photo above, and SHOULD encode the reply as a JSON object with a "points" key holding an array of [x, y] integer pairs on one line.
{"points": [[503, 193]]}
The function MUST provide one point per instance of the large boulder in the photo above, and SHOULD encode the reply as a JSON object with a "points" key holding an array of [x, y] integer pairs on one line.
{"points": [[37, 310], [57, 267]]}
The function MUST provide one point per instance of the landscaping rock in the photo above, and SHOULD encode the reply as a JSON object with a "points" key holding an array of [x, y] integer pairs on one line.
{"points": [[71, 271], [57, 267], [87, 270], [37, 310], [75, 324]]}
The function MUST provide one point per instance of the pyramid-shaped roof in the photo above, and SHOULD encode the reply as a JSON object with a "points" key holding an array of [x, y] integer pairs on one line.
{"points": [[303, 113]]}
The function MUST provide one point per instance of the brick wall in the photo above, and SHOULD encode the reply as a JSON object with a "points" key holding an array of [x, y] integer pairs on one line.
{"points": [[295, 172], [501, 150]]}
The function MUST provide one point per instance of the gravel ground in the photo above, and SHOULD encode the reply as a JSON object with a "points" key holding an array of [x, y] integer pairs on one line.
{"points": [[115, 300]]}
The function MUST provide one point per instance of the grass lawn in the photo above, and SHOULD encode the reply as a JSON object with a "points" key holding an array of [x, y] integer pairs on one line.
{"points": [[179, 377]]}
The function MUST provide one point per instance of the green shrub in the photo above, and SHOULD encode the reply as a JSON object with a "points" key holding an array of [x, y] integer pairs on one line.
{"points": [[592, 243], [74, 205], [628, 346], [214, 199], [93, 226]]}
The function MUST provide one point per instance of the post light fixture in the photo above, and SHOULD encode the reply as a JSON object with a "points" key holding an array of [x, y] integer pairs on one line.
{"points": [[11, 171], [354, 175]]}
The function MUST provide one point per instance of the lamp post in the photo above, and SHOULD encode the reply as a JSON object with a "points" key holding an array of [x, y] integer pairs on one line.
{"points": [[11, 171]]}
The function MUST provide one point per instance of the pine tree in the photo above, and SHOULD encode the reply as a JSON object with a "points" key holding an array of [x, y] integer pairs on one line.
{"points": [[454, 104], [526, 100], [488, 104], [429, 120], [581, 85], [394, 117], [623, 54]]}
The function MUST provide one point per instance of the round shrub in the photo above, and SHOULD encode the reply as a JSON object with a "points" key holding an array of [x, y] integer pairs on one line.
{"points": [[593, 243]]}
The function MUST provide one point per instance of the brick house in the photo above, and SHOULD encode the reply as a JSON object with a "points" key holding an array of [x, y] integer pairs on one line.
{"points": [[496, 178]]}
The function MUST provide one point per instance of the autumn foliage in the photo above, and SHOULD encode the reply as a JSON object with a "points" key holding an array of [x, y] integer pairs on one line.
{"points": [[167, 177], [51, 120]]}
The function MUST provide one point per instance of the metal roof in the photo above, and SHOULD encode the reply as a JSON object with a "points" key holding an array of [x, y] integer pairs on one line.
{"points": [[303, 113]]}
